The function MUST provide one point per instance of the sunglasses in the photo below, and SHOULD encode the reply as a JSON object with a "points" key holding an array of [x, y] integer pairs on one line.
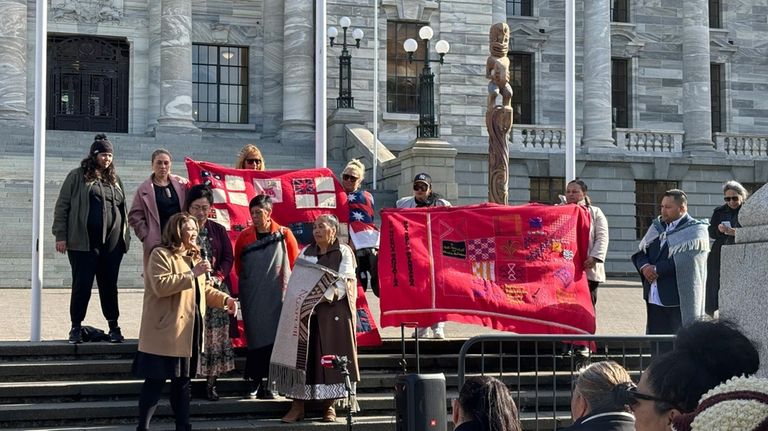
{"points": [[633, 397], [420, 187], [731, 198], [346, 177], [253, 161]]}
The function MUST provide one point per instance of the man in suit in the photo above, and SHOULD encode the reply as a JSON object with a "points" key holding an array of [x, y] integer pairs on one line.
{"points": [[672, 262]]}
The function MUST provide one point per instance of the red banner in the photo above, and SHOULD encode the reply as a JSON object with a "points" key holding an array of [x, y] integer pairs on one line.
{"points": [[298, 198], [512, 268]]}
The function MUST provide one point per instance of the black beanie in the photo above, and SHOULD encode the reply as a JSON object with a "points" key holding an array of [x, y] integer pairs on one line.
{"points": [[101, 145]]}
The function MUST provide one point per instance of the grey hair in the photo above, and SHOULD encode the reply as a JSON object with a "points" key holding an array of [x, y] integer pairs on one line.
{"points": [[736, 187], [330, 219]]}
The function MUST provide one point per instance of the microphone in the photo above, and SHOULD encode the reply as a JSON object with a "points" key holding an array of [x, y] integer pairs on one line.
{"points": [[204, 250], [333, 361]]}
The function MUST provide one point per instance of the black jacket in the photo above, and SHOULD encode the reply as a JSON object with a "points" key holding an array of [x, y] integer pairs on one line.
{"points": [[469, 426], [612, 421]]}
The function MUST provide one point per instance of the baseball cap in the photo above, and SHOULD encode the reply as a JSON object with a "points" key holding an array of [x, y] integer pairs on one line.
{"points": [[423, 178]]}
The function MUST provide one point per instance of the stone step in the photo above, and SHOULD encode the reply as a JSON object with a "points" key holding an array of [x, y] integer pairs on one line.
{"points": [[233, 385], [529, 421]]}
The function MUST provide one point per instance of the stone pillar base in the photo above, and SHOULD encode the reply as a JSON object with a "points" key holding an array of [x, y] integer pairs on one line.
{"points": [[743, 277], [174, 132], [336, 131], [435, 157]]}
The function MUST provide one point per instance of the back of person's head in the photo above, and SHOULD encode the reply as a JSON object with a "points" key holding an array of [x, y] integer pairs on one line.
{"points": [[602, 385], [706, 353], [487, 401], [740, 403]]}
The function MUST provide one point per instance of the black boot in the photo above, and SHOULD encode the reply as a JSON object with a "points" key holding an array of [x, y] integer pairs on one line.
{"points": [[213, 395], [76, 334], [115, 335]]}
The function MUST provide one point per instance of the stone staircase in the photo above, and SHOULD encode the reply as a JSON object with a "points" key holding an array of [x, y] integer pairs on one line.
{"points": [[64, 151], [57, 386]]}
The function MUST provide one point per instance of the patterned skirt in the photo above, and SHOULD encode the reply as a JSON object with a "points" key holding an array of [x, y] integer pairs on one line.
{"points": [[219, 356]]}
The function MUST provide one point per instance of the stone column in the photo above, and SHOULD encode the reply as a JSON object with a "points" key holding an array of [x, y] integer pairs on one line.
{"points": [[176, 68], [298, 72], [13, 62], [597, 75], [743, 275], [153, 103], [697, 102], [272, 102], [499, 11]]}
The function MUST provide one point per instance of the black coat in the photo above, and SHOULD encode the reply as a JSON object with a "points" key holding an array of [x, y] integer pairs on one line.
{"points": [[613, 421], [721, 214], [469, 426]]}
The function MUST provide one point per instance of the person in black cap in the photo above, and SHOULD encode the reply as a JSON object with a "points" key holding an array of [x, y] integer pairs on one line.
{"points": [[424, 196], [90, 225]]}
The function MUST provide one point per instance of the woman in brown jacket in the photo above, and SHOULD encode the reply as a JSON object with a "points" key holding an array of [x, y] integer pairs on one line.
{"points": [[170, 338]]}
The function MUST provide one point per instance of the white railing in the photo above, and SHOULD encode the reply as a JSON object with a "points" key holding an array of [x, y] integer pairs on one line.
{"points": [[648, 141], [733, 144]]}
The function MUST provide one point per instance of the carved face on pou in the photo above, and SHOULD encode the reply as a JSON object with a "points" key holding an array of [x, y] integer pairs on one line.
{"points": [[499, 39]]}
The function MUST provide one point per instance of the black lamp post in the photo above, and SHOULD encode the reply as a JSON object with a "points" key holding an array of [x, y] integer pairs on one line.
{"points": [[345, 99], [428, 127]]}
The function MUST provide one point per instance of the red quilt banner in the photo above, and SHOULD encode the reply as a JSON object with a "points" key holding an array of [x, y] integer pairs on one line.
{"points": [[298, 198], [511, 268]]}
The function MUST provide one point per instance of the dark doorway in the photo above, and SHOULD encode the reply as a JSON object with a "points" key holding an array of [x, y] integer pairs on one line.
{"points": [[88, 84]]}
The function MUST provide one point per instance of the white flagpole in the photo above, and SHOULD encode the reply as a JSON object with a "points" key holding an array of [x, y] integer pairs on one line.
{"points": [[570, 82], [38, 196], [321, 103], [375, 90]]}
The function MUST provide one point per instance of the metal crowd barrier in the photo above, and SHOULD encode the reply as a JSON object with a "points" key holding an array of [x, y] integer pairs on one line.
{"points": [[540, 369]]}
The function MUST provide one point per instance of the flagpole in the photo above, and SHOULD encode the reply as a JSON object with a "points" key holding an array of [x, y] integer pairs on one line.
{"points": [[570, 82], [321, 103], [38, 194], [375, 90]]}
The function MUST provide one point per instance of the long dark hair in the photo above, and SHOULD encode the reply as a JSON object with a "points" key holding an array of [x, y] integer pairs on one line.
{"points": [[91, 168], [706, 353], [486, 400]]}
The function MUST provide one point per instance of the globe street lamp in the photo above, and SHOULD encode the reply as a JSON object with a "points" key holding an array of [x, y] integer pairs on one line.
{"points": [[428, 127], [345, 99]]}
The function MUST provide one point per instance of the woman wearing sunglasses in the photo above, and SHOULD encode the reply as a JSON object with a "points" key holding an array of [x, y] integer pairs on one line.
{"points": [[706, 354], [424, 196], [363, 233], [722, 228], [250, 158]]}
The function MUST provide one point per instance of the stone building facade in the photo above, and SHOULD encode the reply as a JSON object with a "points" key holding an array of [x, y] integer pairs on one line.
{"points": [[244, 69]]}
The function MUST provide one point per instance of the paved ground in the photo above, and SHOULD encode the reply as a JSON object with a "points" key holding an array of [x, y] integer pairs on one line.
{"points": [[620, 311]]}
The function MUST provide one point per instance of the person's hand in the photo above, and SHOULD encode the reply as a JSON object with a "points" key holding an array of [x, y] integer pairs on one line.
{"points": [[590, 262], [730, 231], [201, 268], [231, 306], [61, 246], [649, 272], [721, 227]]}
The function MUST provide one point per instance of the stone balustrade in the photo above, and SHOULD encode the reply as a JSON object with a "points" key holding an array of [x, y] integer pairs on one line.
{"points": [[733, 144], [537, 138], [648, 141]]}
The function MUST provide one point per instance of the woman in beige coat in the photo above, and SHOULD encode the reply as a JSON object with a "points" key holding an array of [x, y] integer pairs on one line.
{"points": [[170, 338]]}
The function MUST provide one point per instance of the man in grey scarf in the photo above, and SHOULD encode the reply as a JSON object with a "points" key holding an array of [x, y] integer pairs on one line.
{"points": [[672, 262]]}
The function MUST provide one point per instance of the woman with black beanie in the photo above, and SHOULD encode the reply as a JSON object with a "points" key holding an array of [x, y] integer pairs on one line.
{"points": [[90, 225]]}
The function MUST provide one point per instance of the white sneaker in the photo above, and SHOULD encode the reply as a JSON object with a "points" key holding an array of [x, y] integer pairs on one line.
{"points": [[423, 333], [438, 333]]}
